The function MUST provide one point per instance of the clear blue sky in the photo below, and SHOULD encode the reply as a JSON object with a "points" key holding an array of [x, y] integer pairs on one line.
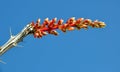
{"points": [[94, 50]]}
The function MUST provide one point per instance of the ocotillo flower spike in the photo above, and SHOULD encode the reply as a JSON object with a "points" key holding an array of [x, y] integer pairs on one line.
{"points": [[39, 29], [50, 26]]}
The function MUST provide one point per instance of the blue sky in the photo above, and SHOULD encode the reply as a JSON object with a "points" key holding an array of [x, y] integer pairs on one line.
{"points": [[93, 50]]}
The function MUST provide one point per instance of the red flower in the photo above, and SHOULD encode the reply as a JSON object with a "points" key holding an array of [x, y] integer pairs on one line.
{"points": [[50, 26]]}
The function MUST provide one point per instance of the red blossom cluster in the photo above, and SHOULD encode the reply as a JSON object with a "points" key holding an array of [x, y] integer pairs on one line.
{"points": [[50, 26]]}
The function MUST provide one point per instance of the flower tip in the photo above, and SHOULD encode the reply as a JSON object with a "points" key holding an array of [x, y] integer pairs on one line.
{"points": [[55, 18], [46, 19], [102, 24], [71, 28], [61, 20], [73, 18], [38, 20]]}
